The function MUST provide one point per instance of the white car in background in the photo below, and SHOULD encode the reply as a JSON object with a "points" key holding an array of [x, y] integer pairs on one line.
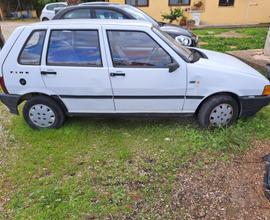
{"points": [[49, 10], [122, 67]]}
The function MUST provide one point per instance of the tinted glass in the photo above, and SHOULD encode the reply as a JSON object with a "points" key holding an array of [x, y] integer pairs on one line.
{"points": [[137, 2], [136, 49], [74, 48], [77, 14], [226, 2], [54, 6], [32, 51], [108, 14], [179, 2]]}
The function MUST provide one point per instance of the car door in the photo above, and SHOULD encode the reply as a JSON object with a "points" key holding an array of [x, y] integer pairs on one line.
{"points": [[75, 69], [139, 72]]}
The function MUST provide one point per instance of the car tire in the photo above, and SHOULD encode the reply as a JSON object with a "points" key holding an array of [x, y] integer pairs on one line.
{"points": [[43, 112], [45, 19], [218, 111]]}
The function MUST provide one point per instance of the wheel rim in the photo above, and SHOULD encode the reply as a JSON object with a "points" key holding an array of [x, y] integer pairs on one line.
{"points": [[42, 115], [221, 115]]}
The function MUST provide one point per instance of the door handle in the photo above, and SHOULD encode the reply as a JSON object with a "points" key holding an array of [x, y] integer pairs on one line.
{"points": [[117, 74], [48, 73]]}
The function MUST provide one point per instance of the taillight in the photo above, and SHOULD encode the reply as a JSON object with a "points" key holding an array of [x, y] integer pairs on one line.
{"points": [[3, 86]]}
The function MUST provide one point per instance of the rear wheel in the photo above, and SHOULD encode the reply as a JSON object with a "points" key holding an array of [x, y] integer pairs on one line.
{"points": [[218, 111], [42, 112], [45, 19]]}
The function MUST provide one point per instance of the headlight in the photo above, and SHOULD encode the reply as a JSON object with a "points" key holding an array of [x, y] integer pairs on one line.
{"points": [[184, 40]]}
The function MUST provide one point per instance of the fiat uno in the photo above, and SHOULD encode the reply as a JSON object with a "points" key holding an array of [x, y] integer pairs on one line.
{"points": [[122, 67]]}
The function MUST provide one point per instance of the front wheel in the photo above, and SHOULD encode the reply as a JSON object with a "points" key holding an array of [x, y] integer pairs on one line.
{"points": [[43, 112], [218, 111]]}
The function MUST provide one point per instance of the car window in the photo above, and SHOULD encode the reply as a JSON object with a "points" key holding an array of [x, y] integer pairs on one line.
{"points": [[136, 49], [32, 50], [109, 14], [74, 48], [78, 13], [53, 6]]}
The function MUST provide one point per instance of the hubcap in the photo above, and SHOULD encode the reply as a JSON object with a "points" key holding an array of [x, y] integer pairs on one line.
{"points": [[42, 115], [221, 115]]}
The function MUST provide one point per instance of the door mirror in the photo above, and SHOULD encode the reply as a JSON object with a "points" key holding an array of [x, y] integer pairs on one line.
{"points": [[173, 66]]}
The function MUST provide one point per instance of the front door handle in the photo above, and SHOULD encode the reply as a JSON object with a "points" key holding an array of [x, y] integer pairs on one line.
{"points": [[117, 74], [48, 73]]}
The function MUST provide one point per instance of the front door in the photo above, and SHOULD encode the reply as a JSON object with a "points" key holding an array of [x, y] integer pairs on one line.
{"points": [[139, 73], [75, 68]]}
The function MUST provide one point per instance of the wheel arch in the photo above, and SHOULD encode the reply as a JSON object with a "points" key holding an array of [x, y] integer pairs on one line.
{"points": [[28, 96], [231, 94]]}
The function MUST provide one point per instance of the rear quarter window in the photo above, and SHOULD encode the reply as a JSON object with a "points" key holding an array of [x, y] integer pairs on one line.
{"points": [[32, 50]]}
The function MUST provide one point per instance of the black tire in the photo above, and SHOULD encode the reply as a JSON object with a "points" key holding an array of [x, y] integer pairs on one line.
{"points": [[59, 116], [45, 19], [210, 104]]}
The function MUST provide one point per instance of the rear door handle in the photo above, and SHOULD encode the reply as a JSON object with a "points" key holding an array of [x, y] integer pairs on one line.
{"points": [[48, 73], [117, 74]]}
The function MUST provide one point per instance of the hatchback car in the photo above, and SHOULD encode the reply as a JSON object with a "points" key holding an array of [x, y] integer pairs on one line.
{"points": [[106, 10], [117, 67], [50, 10]]}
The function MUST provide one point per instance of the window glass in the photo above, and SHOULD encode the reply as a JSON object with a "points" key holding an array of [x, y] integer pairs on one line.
{"points": [[179, 2], [32, 51], [226, 2], [74, 48], [136, 49], [108, 14], [137, 2], [77, 14], [54, 6]]}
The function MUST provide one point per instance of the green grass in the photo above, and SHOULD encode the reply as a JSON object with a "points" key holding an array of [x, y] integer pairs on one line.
{"points": [[254, 39], [98, 169]]}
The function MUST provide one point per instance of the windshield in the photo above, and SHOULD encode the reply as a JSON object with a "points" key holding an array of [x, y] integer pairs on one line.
{"points": [[182, 51], [140, 15]]}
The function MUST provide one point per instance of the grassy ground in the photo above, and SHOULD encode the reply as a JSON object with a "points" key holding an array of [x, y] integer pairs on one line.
{"points": [[111, 168], [239, 39]]}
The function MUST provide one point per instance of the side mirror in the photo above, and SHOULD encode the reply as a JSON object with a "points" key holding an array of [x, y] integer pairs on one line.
{"points": [[173, 66]]}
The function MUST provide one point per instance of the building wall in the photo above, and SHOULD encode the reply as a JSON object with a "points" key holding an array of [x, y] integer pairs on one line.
{"points": [[243, 11]]}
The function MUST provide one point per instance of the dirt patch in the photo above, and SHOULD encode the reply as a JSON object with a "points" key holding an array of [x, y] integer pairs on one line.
{"points": [[225, 190], [231, 34]]}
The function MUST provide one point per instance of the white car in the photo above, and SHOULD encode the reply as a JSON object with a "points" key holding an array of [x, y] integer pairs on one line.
{"points": [[49, 11], [122, 67]]}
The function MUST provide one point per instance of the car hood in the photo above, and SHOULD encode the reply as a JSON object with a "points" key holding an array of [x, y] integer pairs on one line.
{"points": [[222, 61], [175, 29]]}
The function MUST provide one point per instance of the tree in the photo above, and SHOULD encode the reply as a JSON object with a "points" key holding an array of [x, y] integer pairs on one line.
{"points": [[267, 44]]}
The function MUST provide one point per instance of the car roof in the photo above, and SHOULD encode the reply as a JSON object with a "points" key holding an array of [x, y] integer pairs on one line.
{"points": [[99, 3], [65, 23], [55, 3]]}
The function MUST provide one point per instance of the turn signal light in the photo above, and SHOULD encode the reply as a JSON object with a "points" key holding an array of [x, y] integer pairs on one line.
{"points": [[266, 90]]}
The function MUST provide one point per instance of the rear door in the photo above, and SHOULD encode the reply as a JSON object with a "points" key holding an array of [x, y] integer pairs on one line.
{"points": [[139, 71], [75, 68]]}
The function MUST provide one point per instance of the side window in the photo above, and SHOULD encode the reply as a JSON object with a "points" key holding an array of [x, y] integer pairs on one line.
{"points": [[77, 14], [74, 48], [108, 14], [54, 6], [32, 50], [136, 49]]}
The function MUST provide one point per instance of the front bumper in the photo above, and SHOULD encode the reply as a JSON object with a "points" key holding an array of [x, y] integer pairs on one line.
{"points": [[11, 101], [250, 105]]}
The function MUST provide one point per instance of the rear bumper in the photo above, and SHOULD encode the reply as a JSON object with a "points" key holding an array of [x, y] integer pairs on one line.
{"points": [[251, 105], [11, 101]]}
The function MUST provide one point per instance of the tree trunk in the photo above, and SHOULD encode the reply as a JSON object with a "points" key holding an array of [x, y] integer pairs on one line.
{"points": [[267, 44]]}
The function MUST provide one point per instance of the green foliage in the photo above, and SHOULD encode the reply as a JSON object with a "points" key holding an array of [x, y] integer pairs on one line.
{"points": [[174, 15]]}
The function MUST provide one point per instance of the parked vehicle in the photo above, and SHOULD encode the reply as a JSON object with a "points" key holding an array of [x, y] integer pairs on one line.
{"points": [[2, 40], [122, 67], [50, 10], [105, 10]]}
